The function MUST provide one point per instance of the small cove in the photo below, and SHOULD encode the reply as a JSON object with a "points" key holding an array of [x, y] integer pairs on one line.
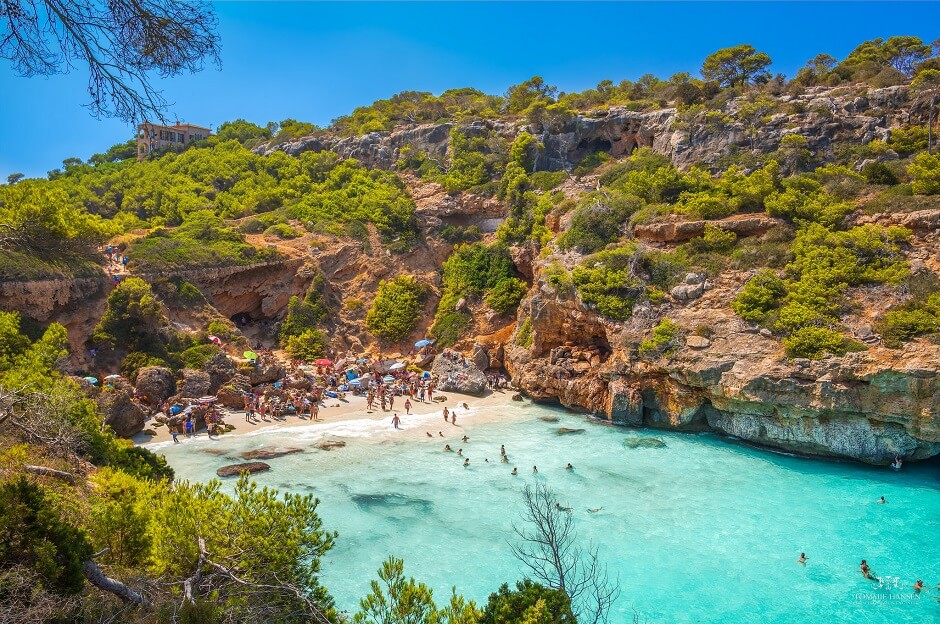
{"points": [[696, 528]]}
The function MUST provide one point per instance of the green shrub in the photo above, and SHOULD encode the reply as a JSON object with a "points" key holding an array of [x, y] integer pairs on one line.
{"points": [[524, 335], [282, 230], [308, 345], [33, 533], [606, 283], [396, 308], [925, 174], [449, 326], [303, 314], [879, 173], [588, 164], [915, 318], [714, 240], [547, 180], [457, 234], [136, 360], [908, 140], [665, 268], [706, 206], [599, 220], [506, 295], [197, 355], [761, 294], [665, 339], [814, 342], [223, 330], [558, 278]]}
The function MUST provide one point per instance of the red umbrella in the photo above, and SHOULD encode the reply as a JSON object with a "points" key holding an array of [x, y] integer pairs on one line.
{"points": [[323, 362]]}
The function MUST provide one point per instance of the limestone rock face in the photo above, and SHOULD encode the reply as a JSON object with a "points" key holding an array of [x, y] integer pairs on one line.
{"points": [[155, 384], [233, 393], [868, 406], [123, 414], [220, 370], [194, 383], [267, 373], [458, 376]]}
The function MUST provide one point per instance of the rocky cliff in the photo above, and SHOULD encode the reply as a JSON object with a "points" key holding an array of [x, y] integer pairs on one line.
{"points": [[729, 376], [824, 116]]}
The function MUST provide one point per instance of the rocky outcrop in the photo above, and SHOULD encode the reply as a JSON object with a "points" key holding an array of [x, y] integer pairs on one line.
{"points": [[869, 406], [233, 393], [235, 470], [458, 374], [220, 370], [822, 115], [269, 453], [121, 412], [677, 230], [193, 383], [155, 384]]}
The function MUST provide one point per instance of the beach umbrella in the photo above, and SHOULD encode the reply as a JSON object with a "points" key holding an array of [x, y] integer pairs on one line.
{"points": [[388, 379], [208, 399], [422, 343], [215, 339], [110, 377], [91, 380], [397, 366], [425, 375], [250, 355], [362, 360], [323, 362], [355, 383]]}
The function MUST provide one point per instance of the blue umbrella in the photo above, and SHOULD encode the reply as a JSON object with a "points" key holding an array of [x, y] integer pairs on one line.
{"points": [[422, 343], [388, 379], [91, 380], [355, 383], [425, 375]]}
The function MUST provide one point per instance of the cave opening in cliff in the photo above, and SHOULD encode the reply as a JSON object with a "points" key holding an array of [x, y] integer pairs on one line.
{"points": [[591, 146]]}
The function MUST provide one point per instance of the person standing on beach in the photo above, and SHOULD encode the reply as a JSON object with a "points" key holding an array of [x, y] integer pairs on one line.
{"points": [[395, 421], [446, 414], [408, 407], [315, 410]]}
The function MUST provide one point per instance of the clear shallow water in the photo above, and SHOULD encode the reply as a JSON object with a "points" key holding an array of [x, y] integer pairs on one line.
{"points": [[701, 530]]}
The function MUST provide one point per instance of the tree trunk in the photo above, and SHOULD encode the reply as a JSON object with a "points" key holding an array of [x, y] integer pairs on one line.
{"points": [[99, 579]]}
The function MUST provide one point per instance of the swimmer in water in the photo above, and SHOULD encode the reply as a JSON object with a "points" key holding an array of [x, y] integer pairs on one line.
{"points": [[802, 559], [428, 433], [465, 406], [466, 462], [515, 471], [440, 433], [460, 452], [865, 569], [466, 439], [560, 508], [882, 500], [447, 447], [569, 466], [919, 585], [505, 459], [502, 449], [535, 469], [595, 509]]}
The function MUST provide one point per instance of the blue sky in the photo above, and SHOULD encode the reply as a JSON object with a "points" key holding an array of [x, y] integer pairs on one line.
{"points": [[316, 61]]}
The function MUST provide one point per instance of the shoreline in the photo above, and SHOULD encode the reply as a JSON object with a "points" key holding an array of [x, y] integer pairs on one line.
{"points": [[350, 418]]}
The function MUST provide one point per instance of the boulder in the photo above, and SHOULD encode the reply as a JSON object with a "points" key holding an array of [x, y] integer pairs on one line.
{"points": [[220, 369], [194, 383], [267, 373], [269, 453], [568, 431], [155, 384], [233, 470], [233, 393], [697, 342], [634, 443], [479, 357], [517, 397], [687, 292], [455, 373], [121, 412], [329, 445]]}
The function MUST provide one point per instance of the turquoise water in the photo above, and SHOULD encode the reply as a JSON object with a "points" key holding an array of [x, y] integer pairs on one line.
{"points": [[701, 530]]}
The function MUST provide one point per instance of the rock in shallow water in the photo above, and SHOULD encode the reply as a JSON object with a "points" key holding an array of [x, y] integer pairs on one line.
{"points": [[329, 445], [549, 418], [567, 431], [644, 443], [234, 470], [269, 453]]}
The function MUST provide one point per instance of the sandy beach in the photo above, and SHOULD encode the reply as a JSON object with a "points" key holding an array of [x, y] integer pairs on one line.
{"points": [[424, 417]]}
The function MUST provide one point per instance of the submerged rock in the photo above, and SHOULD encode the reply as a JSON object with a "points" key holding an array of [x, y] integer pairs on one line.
{"points": [[269, 453], [551, 419], [234, 470], [567, 431], [644, 443], [329, 445]]}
